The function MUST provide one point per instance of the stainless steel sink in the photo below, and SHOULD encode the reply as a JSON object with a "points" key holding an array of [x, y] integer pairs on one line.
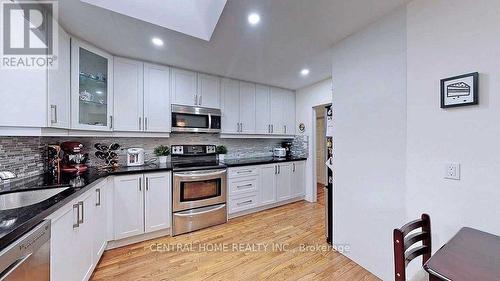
{"points": [[26, 198]]}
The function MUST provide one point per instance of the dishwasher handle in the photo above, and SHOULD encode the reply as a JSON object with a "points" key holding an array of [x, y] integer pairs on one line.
{"points": [[23, 248]]}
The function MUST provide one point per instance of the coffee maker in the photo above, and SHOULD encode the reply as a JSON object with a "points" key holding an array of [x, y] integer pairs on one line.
{"points": [[73, 160], [287, 145]]}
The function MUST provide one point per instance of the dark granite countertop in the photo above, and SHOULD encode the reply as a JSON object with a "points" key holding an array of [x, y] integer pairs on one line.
{"points": [[260, 161], [15, 222]]}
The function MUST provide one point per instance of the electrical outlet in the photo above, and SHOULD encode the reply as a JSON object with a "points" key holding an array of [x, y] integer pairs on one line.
{"points": [[452, 171]]}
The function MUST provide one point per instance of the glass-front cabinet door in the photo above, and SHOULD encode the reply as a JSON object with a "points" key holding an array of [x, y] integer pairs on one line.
{"points": [[91, 87]]}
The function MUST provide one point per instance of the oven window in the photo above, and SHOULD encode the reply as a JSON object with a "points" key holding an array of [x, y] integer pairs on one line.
{"points": [[183, 120], [200, 190]]}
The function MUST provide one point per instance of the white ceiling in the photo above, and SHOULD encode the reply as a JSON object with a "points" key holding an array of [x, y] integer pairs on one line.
{"points": [[292, 34], [196, 18]]}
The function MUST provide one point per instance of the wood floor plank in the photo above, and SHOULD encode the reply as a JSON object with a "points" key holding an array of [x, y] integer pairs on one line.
{"points": [[291, 226]]}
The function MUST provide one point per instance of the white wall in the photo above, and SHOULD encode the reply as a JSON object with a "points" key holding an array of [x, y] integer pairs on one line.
{"points": [[307, 98], [447, 38], [369, 100]]}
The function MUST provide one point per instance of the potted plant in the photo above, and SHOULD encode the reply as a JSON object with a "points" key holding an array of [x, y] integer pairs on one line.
{"points": [[221, 151], [162, 152]]}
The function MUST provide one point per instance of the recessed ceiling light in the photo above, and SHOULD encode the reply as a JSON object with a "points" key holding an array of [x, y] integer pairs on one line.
{"points": [[157, 41], [98, 92], [253, 18], [304, 72]]}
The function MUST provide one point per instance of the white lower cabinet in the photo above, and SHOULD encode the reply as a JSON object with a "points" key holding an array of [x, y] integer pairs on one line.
{"points": [[128, 206], [298, 178], [141, 204], [268, 184], [263, 185], [78, 237], [284, 182], [157, 200]]}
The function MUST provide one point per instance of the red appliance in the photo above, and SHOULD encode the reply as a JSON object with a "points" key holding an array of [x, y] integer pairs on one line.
{"points": [[73, 161]]}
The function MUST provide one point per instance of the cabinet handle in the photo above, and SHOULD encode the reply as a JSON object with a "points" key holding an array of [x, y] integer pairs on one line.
{"points": [[77, 224], [195, 99], [244, 172], [275, 170], [241, 127], [279, 169], [293, 167], [244, 186], [285, 128], [140, 123], [272, 128], [199, 102], [82, 220], [111, 121], [98, 191], [147, 184], [140, 184], [53, 108], [145, 123], [244, 202], [269, 128]]}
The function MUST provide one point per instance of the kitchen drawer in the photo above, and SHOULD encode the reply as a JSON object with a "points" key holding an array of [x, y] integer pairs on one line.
{"points": [[243, 202], [243, 172], [243, 185]]}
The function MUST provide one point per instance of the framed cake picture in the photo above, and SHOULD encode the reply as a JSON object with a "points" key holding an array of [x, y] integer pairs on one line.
{"points": [[460, 90]]}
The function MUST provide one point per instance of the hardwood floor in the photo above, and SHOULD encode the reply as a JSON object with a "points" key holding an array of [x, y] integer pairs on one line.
{"points": [[289, 227]]}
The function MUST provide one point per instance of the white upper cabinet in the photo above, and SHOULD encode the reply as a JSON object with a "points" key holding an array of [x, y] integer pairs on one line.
{"points": [[208, 91], [262, 110], [184, 87], [59, 86], [247, 108], [277, 102], [91, 88], [289, 119], [157, 110], [230, 106], [128, 97]]}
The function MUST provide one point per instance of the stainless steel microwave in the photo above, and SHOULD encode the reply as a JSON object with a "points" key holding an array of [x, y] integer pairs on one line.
{"points": [[193, 119]]}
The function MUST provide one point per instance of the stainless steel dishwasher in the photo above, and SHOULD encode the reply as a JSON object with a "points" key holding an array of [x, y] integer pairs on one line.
{"points": [[28, 258]]}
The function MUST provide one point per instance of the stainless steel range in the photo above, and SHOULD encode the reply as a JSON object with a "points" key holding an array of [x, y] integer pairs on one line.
{"points": [[199, 188]]}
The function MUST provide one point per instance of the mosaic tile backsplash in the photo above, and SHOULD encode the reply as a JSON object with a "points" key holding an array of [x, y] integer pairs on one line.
{"points": [[25, 156]]}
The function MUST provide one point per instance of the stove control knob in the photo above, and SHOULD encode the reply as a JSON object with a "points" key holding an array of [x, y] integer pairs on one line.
{"points": [[210, 148], [177, 149]]}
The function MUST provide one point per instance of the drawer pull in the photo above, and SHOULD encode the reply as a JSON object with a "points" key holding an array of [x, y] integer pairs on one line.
{"points": [[244, 186], [244, 172], [244, 202]]}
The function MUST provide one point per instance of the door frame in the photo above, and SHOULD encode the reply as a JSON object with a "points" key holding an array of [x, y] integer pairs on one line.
{"points": [[313, 156]]}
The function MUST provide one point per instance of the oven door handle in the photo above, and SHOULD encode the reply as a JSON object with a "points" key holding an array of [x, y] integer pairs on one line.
{"points": [[200, 174], [190, 213]]}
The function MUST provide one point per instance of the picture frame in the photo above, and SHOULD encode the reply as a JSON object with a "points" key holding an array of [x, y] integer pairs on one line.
{"points": [[460, 90]]}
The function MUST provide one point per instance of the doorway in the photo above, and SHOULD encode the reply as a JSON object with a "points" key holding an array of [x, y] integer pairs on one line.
{"points": [[320, 153]]}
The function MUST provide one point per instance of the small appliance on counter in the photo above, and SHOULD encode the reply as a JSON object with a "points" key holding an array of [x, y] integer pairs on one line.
{"points": [[279, 152], [135, 156], [287, 145], [73, 160]]}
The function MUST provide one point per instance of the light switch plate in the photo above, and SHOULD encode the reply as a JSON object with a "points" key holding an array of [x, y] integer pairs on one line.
{"points": [[452, 171]]}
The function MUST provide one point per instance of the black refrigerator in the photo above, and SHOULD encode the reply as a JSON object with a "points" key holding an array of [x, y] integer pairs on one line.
{"points": [[329, 164]]}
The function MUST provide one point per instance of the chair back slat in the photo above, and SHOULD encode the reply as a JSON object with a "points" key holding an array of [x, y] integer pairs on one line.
{"points": [[404, 253], [415, 252], [414, 238]]}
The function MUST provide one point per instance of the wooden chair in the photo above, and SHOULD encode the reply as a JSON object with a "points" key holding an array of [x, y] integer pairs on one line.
{"points": [[403, 255]]}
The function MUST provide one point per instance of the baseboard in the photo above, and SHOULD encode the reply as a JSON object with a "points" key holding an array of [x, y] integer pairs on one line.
{"points": [[136, 239], [265, 207]]}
